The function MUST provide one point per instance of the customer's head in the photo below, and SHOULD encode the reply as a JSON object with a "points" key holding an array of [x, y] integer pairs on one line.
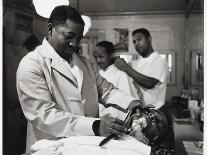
{"points": [[142, 41], [65, 30], [157, 127], [104, 54]]}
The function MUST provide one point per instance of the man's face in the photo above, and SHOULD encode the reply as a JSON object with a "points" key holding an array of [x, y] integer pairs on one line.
{"points": [[66, 38], [102, 58], [141, 44], [157, 126]]}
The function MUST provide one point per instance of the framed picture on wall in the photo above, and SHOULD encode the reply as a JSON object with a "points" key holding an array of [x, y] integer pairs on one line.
{"points": [[197, 70], [121, 37]]}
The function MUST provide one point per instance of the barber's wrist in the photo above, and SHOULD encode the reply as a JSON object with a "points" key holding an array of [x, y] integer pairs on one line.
{"points": [[96, 127], [126, 68]]}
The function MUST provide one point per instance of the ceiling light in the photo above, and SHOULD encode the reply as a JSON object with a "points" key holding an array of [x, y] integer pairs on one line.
{"points": [[87, 26], [45, 7]]}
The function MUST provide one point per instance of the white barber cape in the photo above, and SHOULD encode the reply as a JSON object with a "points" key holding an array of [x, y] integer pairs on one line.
{"points": [[120, 80], [89, 145], [124, 83]]}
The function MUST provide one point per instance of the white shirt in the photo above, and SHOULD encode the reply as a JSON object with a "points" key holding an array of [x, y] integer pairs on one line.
{"points": [[153, 66]]}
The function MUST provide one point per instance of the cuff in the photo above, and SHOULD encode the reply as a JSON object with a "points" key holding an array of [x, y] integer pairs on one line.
{"points": [[84, 126], [96, 127]]}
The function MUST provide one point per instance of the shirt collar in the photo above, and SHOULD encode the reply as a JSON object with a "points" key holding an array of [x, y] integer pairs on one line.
{"points": [[108, 68], [153, 54]]}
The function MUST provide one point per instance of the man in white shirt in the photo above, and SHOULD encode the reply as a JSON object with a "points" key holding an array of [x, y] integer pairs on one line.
{"points": [[104, 55], [150, 71]]}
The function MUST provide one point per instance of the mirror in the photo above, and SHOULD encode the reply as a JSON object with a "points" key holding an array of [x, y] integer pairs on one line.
{"points": [[170, 58], [197, 67]]}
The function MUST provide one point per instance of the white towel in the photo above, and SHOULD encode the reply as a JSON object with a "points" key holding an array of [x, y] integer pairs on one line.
{"points": [[89, 145]]}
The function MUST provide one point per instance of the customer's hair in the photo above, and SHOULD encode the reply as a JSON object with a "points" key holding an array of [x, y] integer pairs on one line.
{"points": [[144, 31], [109, 47], [61, 13]]}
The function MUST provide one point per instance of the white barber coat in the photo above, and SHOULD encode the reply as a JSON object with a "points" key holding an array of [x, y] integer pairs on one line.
{"points": [[51, 99]]}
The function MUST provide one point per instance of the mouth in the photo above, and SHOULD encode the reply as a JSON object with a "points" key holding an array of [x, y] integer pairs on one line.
{"points": [[138, 48], [101, 66], [71, 49]]}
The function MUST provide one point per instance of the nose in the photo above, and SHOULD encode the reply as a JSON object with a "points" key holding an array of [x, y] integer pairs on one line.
{"points": [[98, 60], [136, 43], [74, 43]]}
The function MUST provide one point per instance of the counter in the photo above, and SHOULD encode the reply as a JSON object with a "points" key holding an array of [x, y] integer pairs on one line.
{"points": [[186, 131]]}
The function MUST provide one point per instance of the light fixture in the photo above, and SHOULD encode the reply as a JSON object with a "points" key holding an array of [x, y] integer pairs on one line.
{"points": [[45, 7], [87, 26]]}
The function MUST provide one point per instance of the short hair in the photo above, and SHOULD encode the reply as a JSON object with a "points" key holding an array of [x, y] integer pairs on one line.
{"points": [[144, 31], [61, 13], [109, 47]]}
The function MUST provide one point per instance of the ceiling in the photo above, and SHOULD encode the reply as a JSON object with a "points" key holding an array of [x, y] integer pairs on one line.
{"points": [[121, 6]]}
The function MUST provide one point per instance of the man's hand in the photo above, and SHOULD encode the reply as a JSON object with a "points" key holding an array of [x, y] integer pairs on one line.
{"points": [[110, 125], [121, 64]]}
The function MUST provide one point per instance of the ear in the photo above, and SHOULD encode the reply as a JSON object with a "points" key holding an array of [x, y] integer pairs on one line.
{"points": [[50, 27], [111, 56], [150, 39]]}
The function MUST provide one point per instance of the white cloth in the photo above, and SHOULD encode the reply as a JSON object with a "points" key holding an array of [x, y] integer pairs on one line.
{"points": [[153, 66], [89, 145], [121, 81]]}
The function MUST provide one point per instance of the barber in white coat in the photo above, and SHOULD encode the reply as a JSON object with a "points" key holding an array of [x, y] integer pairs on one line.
{"points": [[59, 89]]}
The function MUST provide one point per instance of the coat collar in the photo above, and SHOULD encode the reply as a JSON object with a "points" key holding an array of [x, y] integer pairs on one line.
{"points": [[47, 50], [58, 63]]}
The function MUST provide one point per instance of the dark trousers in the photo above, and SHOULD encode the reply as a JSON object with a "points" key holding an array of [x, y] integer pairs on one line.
{"points": [[14, 131]]}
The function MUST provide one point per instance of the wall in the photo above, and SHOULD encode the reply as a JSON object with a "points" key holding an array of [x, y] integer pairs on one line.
{"points": [[15, 32], [168, 33], [196, 42], [196, 32], [13, 47]]}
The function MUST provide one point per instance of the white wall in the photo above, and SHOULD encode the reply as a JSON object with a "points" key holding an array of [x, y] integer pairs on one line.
{"points": [[168, 33]]}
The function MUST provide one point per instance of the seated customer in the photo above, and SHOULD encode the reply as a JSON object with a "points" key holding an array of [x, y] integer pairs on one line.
{"points": [[152, 123], [146, 125], [104, 55]]}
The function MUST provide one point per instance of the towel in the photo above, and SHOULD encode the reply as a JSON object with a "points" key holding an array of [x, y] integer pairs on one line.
{"points": [[89, 145]]}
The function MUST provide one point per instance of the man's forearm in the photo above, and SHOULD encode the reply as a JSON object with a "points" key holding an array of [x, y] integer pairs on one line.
{"points": [[142, 80]]}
